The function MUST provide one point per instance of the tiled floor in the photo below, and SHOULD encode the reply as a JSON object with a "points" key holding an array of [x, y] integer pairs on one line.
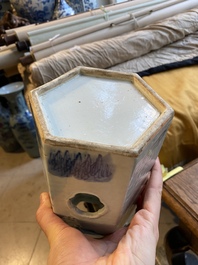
{"points": [[22, 241]]}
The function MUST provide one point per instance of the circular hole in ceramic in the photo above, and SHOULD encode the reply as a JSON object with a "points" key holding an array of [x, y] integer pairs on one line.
{"points": [[86, 204]]}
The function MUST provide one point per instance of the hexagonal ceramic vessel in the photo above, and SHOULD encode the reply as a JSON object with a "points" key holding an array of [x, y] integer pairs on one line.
{"points": [[100, 132]]}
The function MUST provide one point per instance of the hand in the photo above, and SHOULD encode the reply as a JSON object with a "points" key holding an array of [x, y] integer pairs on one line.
{"points": [[135, 245]]}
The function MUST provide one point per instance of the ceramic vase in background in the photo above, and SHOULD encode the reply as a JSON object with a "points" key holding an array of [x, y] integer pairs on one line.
{"points": [[62, 9], [77, 5], [7, 140], [36, 11], [87, 5], [21, 120]]}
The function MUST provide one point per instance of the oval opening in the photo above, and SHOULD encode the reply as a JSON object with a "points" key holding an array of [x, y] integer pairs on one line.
{"points": [[86, 203]]}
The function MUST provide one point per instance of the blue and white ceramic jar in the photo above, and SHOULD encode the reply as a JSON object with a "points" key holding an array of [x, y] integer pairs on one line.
{"points": [[62, 9], [77, 6], [36, 11], [7, 140], [21, 120], [86, 5]]}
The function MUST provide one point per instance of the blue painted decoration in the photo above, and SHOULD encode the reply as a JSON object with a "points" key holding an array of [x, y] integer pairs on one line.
{"points": [[38, 11], [21, 120], [7, 140], [82, 167]]}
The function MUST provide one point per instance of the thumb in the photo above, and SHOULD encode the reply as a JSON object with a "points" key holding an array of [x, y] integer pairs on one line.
{"points": [[49, 222]]}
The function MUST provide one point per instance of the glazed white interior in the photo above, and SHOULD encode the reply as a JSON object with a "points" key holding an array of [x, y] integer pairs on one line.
{"points": [[98, 110]]}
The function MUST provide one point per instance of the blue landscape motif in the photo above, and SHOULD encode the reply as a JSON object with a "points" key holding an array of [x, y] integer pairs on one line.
{"points": [[82, 167]]}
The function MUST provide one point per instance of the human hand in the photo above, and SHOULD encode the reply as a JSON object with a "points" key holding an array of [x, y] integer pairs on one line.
{"points": [[134, 245]]}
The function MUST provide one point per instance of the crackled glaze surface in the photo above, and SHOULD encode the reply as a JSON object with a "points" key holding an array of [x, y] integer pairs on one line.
{"points": [[98, 110]]}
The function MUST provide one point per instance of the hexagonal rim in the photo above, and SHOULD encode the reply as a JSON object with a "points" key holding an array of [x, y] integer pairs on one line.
{"points": [[166, 112]]}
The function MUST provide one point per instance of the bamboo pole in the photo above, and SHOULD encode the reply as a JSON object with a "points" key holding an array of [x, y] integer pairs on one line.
{"points": [[43, 34], [22, 32], [111, 28]]}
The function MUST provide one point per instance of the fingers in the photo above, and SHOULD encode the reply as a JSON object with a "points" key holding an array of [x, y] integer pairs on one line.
{"points": [[152, 197], [50, 223]]}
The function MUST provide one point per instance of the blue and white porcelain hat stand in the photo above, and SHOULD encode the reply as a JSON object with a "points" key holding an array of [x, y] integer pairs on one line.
{"points": [[99, 132]]}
